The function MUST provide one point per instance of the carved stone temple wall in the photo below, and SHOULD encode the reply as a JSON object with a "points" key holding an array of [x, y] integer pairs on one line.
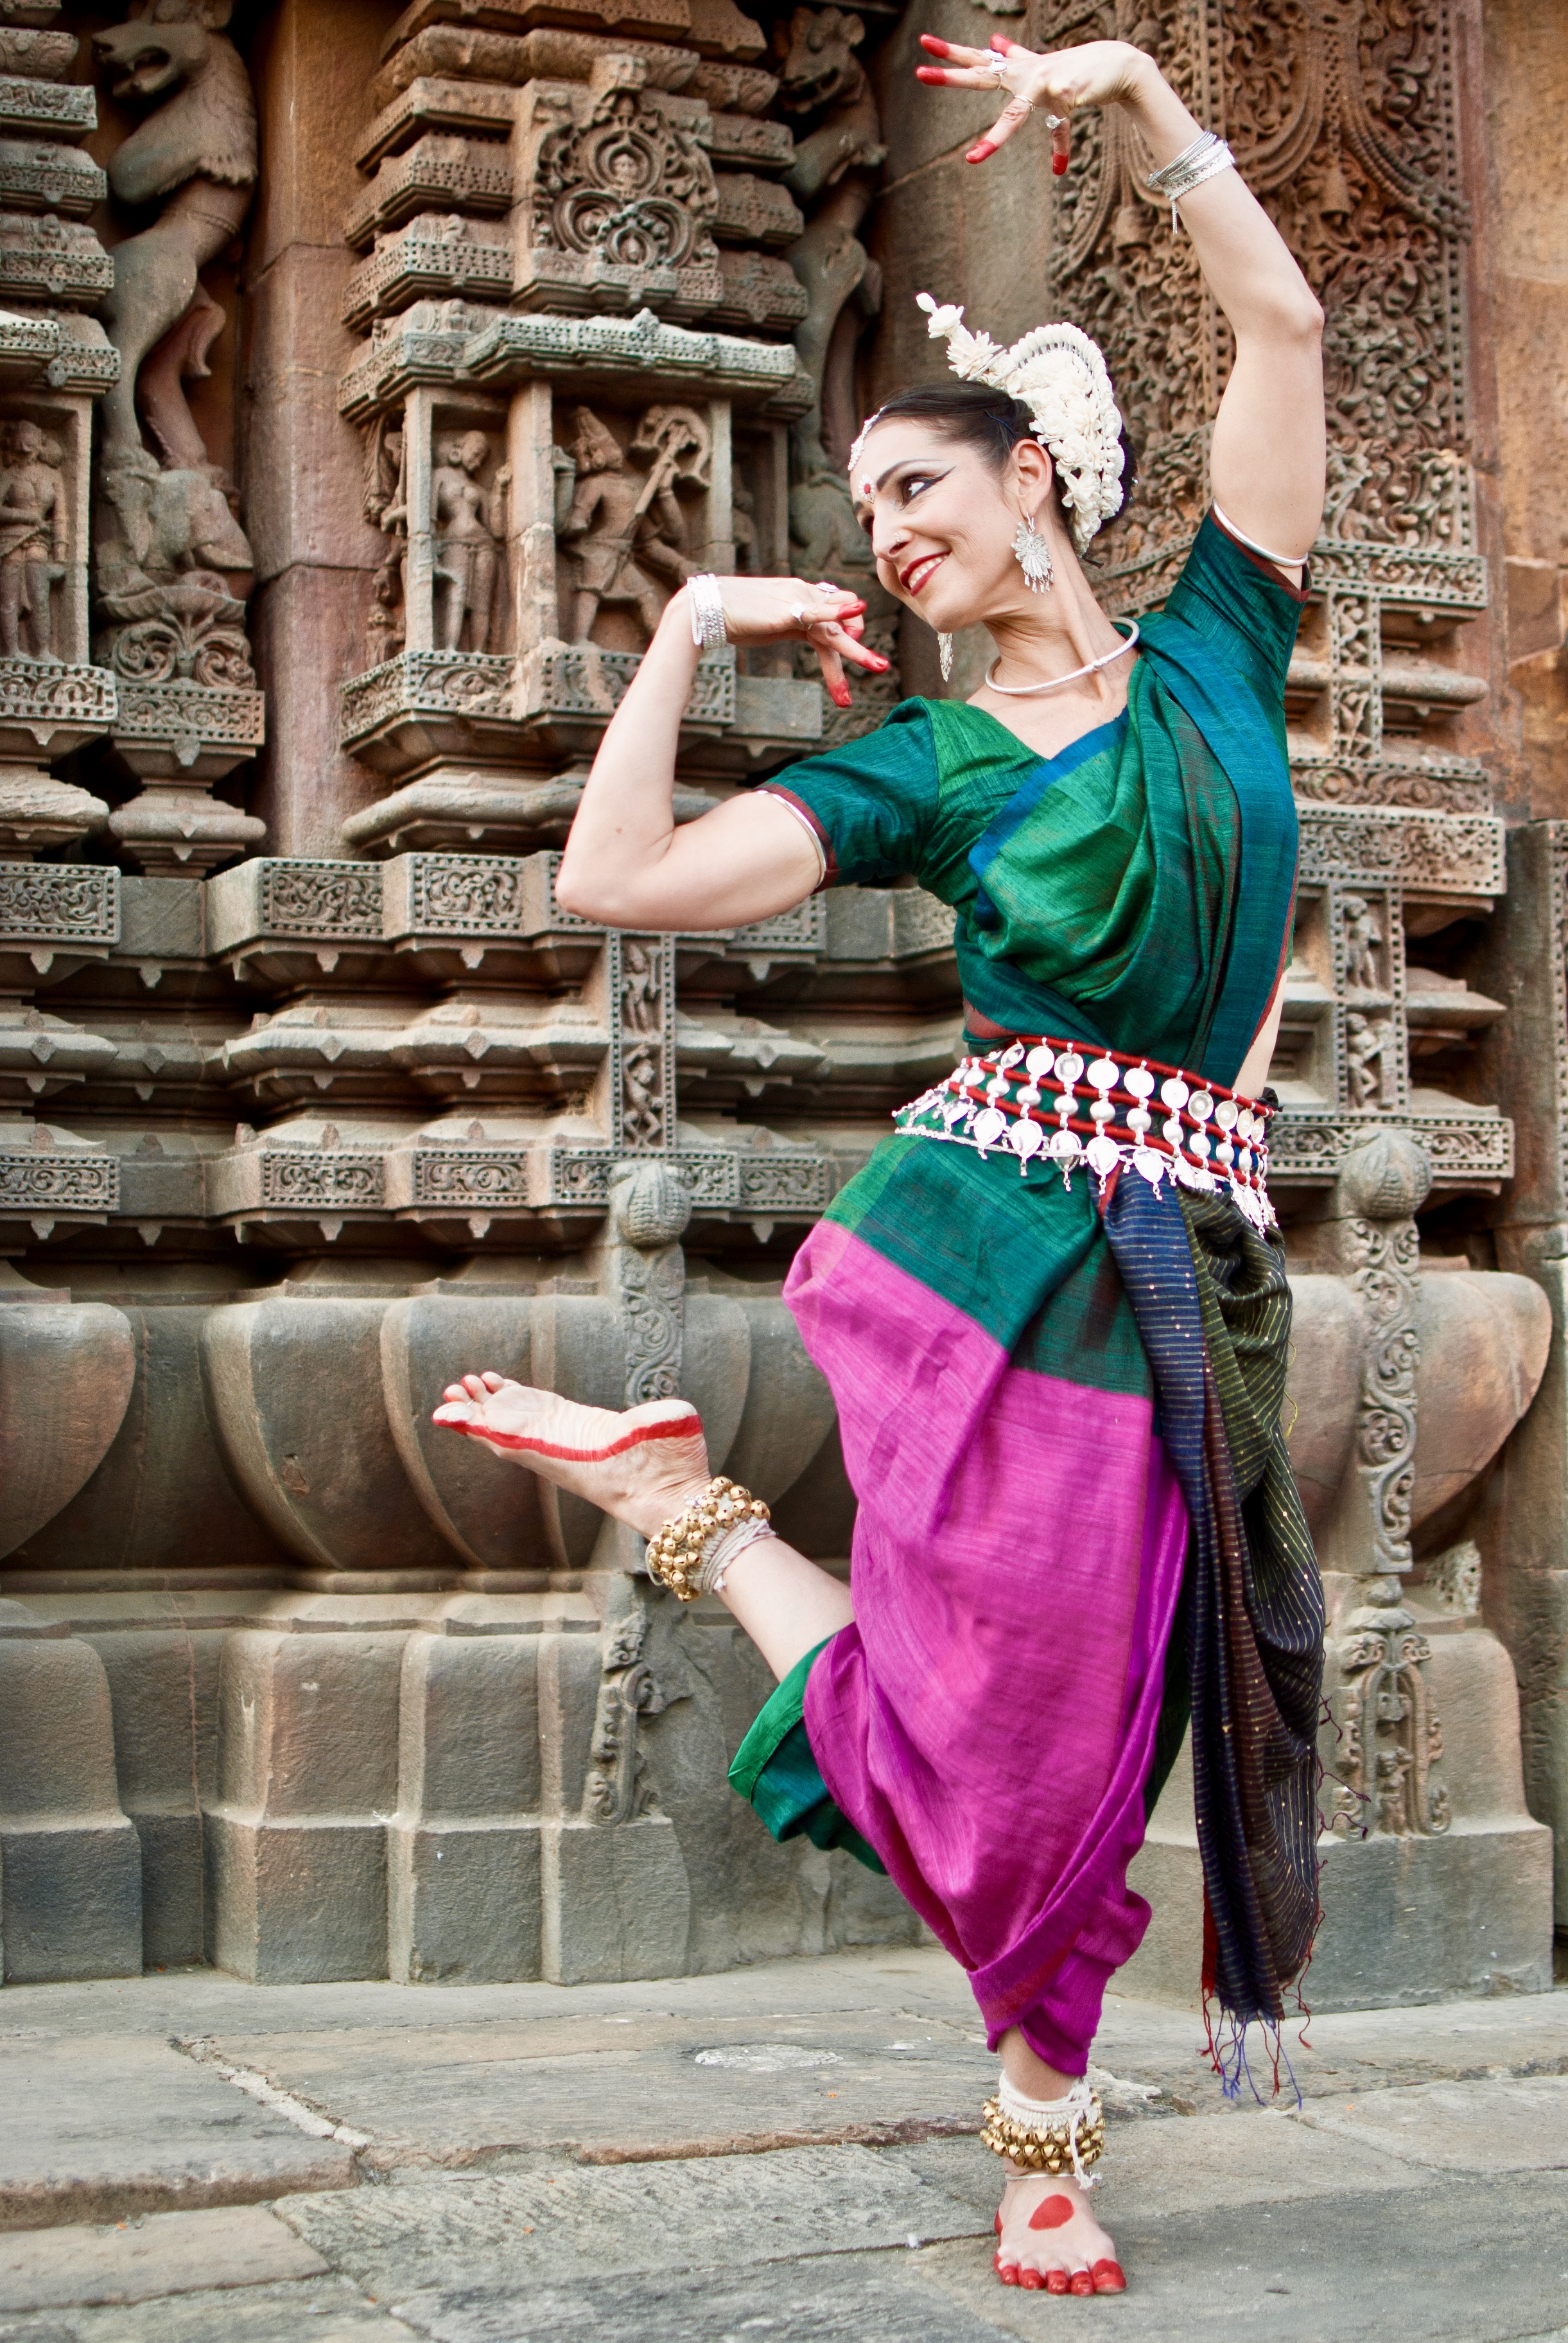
{"points": [[367, 383]]}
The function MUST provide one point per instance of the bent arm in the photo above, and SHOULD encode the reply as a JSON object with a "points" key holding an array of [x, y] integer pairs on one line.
{"points": [[1267, 457], [628, 865]]}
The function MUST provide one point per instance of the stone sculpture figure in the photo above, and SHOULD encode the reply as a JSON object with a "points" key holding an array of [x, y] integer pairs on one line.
{"points": [[470, 527], [168, 569], [627, 534], [197, 153], [834, 172], [1363, 938], [33, 541], [1367, 1068]]}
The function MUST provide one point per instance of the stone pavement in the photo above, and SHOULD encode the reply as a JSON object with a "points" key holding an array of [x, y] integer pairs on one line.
{"points": [[783, 2152]]}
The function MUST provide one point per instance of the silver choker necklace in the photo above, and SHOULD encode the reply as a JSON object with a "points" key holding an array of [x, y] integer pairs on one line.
{"points": [[1021, 690]]}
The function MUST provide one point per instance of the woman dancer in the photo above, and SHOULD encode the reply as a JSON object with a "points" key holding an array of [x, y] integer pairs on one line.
{"points": [[1053, 1309]]}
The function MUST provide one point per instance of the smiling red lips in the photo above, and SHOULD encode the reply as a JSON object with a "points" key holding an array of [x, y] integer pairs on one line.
{"points": [[912, 578]]}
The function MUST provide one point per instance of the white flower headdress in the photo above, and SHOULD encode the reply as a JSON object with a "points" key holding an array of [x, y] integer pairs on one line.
{"points": [[1060, 374]]}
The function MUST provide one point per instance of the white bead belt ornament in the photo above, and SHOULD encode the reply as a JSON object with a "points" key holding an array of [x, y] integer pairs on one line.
{"points": [[1208, 1136]]}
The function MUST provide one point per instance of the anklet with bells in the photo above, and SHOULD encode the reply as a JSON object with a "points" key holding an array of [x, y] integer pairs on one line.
{"points": [[691, 1553]]}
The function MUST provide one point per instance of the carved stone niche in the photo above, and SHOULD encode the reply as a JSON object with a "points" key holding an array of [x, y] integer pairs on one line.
{"points": [[434, 701], [52, 699]]}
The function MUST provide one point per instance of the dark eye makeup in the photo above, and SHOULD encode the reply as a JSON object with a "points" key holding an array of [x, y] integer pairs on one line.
{"points": [[911, 485]]}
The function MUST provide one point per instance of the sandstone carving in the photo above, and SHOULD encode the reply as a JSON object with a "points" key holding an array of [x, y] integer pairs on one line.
{"points": [[196, 154], [627, 529], [34, 542]]}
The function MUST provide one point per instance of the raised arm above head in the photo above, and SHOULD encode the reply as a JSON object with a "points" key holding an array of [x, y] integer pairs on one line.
{"points": [[1267, 459]]}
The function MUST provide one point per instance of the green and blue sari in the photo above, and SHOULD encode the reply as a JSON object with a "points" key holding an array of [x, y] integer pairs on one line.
{"points": [[1060, 1408]]}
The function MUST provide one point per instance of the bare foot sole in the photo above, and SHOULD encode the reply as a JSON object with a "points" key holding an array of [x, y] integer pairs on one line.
{"points": [[641, 1464], [1048, 2240]]}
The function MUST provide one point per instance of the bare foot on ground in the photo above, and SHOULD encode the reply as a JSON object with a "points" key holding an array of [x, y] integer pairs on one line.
{"points": [[1047, 2236]]}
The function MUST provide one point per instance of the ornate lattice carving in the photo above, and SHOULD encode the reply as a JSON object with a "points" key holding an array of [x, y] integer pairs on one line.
{"points": [[330, 900], [626, 184], [58, 903], [1389, 1737]]}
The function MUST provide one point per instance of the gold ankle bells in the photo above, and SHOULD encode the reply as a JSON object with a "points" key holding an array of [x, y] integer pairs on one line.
{"points": [[1056, 2136], [690, 1552]]}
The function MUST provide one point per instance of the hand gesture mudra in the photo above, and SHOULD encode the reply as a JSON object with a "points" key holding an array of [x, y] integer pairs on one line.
{"points": [[831, 618], [1098, 73]]}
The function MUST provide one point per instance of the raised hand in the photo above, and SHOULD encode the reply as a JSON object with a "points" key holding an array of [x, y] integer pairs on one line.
{"points": [[1097, 73], [783, 609]]}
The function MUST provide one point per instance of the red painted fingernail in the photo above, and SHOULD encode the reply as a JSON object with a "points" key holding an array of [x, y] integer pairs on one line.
{"points": [[999, 41], [929, 72], [938, 48], [841, 699], [1058, 166], [979, 153]]}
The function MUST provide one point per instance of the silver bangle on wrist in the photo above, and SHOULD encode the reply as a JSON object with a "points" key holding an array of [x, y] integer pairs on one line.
{"points": [[1206, 158], [708, 629]]}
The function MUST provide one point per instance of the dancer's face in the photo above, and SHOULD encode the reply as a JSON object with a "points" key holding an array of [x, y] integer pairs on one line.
{"points": [[941, 519]]}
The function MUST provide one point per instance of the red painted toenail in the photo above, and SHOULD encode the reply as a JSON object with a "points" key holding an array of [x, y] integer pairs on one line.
{"points": [[1051, 2212], [1108, 2277], [1007, 2272], [1081, 2283], [1056, 2281], [1031, 2281]]}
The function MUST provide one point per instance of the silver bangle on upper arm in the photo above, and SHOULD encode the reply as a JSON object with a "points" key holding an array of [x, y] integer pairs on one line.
{"points": [[1280, 561]]}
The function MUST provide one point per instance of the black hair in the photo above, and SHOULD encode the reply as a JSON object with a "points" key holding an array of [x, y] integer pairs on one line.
{"points": [[988, 421]]}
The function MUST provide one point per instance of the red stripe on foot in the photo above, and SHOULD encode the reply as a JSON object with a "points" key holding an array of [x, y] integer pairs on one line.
{"points": [[684, 1427]]}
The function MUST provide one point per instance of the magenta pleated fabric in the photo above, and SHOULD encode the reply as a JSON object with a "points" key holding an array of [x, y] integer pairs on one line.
{"points": [[988, 1722]]}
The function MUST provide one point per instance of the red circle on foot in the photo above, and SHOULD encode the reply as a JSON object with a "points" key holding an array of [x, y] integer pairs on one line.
{"points": [[1051, 2212]]}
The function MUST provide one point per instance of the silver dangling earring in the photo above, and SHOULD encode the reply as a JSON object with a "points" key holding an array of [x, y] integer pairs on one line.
{"points": [[945, 657], [1034, 552]]}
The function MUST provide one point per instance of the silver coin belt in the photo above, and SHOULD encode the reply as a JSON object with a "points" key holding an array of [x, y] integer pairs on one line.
{"points": [[1046, 1100]]}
